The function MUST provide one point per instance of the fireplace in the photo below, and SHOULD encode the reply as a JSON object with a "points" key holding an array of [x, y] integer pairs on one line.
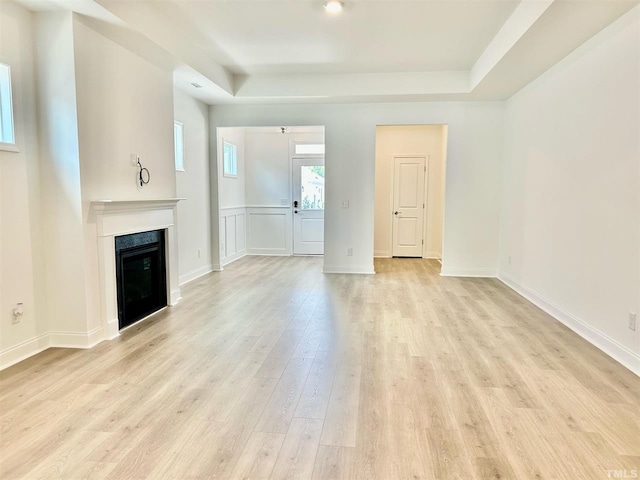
{"points": [[140, 275], [120, 218]]}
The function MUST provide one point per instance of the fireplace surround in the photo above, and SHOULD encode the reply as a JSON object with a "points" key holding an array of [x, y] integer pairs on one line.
{"points": [[117, 218]]}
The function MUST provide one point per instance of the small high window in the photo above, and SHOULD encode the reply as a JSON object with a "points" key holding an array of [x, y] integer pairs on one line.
{"points": [[7, 136], [230, 160], [178, 145], [309, 149]]}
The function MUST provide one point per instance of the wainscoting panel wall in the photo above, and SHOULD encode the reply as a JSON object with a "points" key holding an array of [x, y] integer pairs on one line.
{"points": [[269, 230], [232, 234]]}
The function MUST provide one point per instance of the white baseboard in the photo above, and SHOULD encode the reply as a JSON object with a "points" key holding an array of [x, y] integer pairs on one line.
{"points": [[23, 350], [269, 252], [197, 273], [351, 269], [113, 328], [75, 339], [382, 254], [216, 267], [35, 345], [469, 272], [620, 353], [232, 258], [176, 296], [432, 255]]}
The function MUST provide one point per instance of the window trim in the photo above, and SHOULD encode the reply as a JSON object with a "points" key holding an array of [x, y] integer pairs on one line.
{"points": [[235, 159], [175, 147]]}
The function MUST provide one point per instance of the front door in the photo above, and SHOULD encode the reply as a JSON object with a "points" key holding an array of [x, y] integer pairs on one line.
{"points": [[408, 206], [308, 206]]}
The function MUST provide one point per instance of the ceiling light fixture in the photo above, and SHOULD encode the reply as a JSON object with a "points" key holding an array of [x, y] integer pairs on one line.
{"points": [[196, 85], [333, 6]]}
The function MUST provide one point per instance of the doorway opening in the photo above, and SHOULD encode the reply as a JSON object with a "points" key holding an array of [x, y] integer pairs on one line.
{"points": [[273, 202], [409, 191]]}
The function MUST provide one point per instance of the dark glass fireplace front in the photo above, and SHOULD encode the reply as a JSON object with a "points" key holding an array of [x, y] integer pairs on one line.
{"points": [[140, 275]]}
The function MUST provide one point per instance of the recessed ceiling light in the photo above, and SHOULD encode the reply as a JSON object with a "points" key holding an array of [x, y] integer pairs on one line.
{"points": [[333, 6]]}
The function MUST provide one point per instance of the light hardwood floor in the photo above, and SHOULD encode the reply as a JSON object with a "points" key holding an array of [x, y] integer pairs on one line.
{"points": [[272, 370]]}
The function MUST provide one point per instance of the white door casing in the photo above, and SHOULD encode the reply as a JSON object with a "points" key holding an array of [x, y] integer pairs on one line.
{"points": [[408, 206], [308, 212]]}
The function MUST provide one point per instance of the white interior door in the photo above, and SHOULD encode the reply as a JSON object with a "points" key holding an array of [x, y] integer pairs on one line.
{"points": [[308, 206], [408, 206]]}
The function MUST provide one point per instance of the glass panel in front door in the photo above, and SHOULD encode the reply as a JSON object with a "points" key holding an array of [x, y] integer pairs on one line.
{"points": [[312, 187]]}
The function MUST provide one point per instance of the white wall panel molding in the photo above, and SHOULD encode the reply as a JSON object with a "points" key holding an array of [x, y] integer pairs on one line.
{"points": [[269, 230], [233, 237]]}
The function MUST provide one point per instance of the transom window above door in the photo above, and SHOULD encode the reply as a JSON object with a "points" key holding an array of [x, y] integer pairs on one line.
{"points": [[309, 149]]}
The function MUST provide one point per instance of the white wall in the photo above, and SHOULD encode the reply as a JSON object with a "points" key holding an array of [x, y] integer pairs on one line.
{"points": [[66, 286], [570, 236], [420, 140], [125, 106], [473, 173], [21, 260], [194, 213]]}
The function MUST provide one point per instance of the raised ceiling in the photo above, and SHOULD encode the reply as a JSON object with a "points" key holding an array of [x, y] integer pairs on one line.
{"points": [[258, 37], [258, 51]]}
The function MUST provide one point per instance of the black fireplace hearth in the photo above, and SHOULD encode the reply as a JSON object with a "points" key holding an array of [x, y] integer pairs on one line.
{"points": [[140, 275]]}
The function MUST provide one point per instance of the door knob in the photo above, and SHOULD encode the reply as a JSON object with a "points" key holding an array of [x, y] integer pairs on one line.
{"points": [[397, 213], [295, 204], [295, 211]]}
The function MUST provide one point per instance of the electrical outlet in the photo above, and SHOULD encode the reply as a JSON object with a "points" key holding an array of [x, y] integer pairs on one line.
{"points": [[509, 260], [17, 313], [134, 159], [632, 321], [199, 253], [349, 252], [345, 204]]}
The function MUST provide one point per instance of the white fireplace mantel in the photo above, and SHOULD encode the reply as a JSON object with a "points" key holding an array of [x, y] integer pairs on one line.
{"points": [[123, 217]]}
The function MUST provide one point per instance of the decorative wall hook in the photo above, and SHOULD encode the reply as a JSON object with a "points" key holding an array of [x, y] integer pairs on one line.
{"points": [[143, 174]]}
